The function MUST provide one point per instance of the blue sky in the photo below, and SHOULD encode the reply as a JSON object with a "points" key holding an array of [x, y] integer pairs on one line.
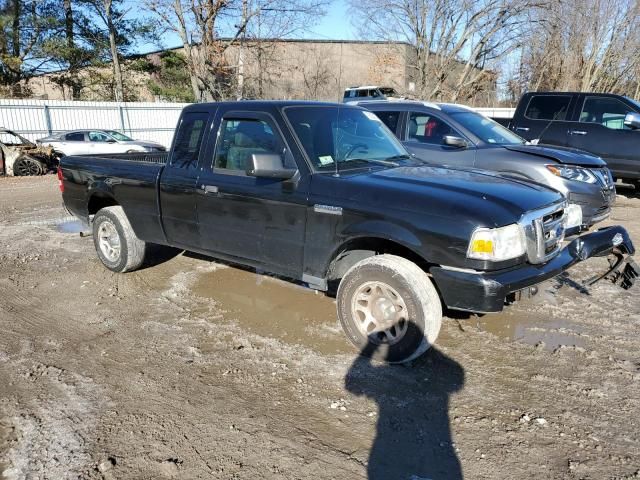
{"points": [[334, 26]]}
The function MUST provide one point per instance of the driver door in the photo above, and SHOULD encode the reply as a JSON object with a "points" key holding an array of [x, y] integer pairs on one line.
{"points": [[101, 143], [259, 220]]}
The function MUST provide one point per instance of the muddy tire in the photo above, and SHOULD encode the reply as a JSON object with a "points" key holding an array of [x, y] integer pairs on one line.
{"points": [[117, 246], [389, 308]]}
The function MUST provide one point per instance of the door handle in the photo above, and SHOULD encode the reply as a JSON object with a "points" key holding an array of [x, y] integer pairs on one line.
{"points": [[522, 129], [209, 188], [577, 132]]}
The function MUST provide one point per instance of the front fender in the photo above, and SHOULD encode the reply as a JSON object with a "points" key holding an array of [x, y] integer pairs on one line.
{"points": [[384, 230]]}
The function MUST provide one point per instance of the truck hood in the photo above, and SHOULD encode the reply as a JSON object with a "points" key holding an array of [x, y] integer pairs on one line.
{"points": [[467, 196], [568, 156]]}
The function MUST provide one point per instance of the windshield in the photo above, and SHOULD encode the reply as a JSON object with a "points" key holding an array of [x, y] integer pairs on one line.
{"points": [[350, 137], [486, 129], [119, 136]]}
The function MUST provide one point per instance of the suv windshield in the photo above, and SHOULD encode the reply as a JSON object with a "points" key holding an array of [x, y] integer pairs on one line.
{"points": [[119, 136], [350, 137], [486, 129]]}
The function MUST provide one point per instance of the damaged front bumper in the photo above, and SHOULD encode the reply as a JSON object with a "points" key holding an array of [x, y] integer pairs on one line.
{"points": [[485, 292]]}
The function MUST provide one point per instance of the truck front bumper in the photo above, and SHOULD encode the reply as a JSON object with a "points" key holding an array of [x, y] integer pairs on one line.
{"points": [[485, 292]]}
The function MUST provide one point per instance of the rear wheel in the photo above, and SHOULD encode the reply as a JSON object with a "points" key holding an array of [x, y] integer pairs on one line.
{"points": [[389, 308], [116, 243]]}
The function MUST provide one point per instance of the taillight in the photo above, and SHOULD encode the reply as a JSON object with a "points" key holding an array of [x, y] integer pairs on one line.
{"points": [[60, 182]]}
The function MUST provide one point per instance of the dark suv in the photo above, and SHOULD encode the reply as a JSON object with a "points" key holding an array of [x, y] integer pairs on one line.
{"points": [[604, 124], [455, 135]]}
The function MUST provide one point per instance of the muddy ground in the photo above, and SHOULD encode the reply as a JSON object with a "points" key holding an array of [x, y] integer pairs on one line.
{"points": [[193, 369]]}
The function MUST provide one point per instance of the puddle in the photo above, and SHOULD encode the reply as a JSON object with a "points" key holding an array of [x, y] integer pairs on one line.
{"points": [[274, 308], [71, 226], [531, 330]]}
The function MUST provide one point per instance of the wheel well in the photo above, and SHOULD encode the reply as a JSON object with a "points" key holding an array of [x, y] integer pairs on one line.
{"points": [[98, 201], [356, 250]]}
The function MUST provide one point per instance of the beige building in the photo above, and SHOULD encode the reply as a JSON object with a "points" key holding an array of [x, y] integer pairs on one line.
{"points": [[292, 69]]}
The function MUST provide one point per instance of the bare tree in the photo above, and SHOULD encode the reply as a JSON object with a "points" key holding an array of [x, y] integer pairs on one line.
{"points": [[215, 34], [455, 42], [589, 45], [316, 73]]}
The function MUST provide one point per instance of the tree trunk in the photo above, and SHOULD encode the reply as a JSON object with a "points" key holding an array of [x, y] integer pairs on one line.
{"points": [[117, 70], [73, 60], [188, 51]]}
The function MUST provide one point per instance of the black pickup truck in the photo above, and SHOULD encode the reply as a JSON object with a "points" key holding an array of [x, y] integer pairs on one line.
{"points": [[324, 194], [604, 124]]}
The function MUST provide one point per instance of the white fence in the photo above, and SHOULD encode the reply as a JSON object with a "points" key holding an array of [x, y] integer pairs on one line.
{"points": [[496, 112], [143, 121]]}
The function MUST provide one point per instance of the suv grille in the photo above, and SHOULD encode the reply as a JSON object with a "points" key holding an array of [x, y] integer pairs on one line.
{"points": [[544, 231], [604, 176]]}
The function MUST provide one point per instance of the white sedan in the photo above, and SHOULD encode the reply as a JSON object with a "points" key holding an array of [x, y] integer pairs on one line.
{"points": [[97, 142]]}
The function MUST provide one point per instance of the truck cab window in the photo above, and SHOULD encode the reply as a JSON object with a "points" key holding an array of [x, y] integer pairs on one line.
{"points": [[548, 107], [425, 128], [609, 112], [188, 140], [239, 139]]}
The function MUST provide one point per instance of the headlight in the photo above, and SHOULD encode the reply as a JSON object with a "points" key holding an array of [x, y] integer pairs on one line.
{"points": [[573, 217], [497, 244], [578, 174]]}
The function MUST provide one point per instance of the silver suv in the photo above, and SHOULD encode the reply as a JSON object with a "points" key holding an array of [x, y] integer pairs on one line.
{"points": [[458, 136]]}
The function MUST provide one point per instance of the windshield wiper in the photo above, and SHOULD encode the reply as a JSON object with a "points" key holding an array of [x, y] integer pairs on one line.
{"points": [[387, 163], [408, 157]]}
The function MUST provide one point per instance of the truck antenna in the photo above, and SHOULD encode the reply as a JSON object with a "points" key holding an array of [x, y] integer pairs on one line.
{"points": [[337, 171]]}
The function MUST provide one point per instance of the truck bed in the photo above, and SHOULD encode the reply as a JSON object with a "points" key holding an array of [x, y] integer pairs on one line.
{"points": [[132, 178]]}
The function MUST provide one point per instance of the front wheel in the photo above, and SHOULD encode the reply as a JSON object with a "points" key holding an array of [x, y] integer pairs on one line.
{"points": [[116, 243], [389, 308]]}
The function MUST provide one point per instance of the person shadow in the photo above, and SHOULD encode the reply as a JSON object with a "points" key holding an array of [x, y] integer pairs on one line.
{"points": [[413, 435]]}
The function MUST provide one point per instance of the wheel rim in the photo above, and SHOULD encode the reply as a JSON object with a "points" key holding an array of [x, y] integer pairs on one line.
{"points": [[34, 168], [380, 313], [21, 168], [109, 241]]}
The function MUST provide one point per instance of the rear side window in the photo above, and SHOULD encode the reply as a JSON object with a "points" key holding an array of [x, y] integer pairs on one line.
{"points": [[606, 111], [189, 140], [548, 107], [240, 138], [74, 137], [390, 119], [425, 128]]}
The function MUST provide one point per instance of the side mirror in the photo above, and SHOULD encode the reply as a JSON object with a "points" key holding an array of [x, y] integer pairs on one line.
{"points": [[111, 140], [269, 165], [632, 120], [453, 141]]}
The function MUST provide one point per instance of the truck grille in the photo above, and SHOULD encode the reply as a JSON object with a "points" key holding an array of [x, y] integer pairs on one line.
{"points": [[544, 231]]}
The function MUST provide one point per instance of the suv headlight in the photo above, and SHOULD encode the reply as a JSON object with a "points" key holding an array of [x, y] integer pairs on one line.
{"points": [[497, 244], [578, 174]]}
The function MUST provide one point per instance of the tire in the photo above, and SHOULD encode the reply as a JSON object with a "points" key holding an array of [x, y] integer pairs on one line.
{"points": [[116, 244], [391, 284], [22, 167]]}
